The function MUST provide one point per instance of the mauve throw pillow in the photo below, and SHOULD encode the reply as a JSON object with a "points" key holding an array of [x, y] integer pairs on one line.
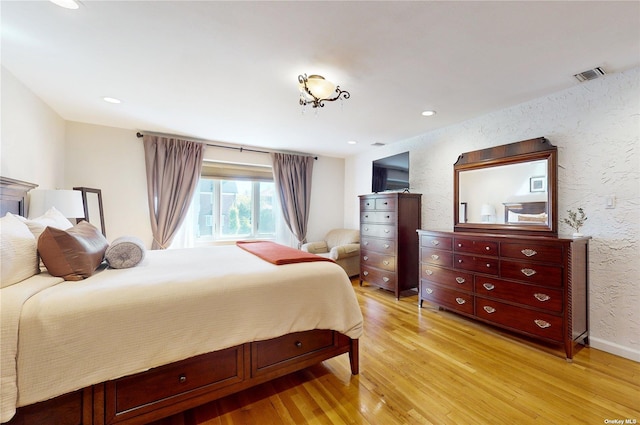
{"points": [[73, 254]]}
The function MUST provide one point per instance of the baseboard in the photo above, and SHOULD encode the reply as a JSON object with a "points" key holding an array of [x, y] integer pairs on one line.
{"points": [[613, 348]]}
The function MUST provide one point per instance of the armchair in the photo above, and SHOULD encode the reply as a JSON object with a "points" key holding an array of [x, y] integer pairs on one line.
{"points": [[342, 246]]}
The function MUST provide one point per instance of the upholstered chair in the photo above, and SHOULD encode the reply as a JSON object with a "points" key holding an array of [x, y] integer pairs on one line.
{"points": [[342, 246]]}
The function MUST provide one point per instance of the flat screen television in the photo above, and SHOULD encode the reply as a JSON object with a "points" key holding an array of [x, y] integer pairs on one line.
{"points": [[390, 173]]}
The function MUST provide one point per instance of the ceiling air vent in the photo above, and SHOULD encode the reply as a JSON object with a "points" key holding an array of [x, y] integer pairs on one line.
{"points": [[591, 74], [377, 144]]}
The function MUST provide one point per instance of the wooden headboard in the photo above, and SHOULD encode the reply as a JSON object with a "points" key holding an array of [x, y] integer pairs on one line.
{"points": [[524, 208], [13, 194]]}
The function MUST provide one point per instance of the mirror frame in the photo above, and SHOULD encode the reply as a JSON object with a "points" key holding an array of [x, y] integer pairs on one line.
{"points": [[513, 153], [85, 204]]}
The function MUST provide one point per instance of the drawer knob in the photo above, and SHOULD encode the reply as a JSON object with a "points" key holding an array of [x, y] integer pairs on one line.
{"points": [[542, 297], [386, 203], [429, 272], [365, 258], [428, 290], [182, 379], [460, 261], [435, 257], [487, 248], [386, 279], [543, 324], [529, 252], [386, 246], [366, 273], [386, 230], [366, 243], [385, 262], [459, 245], [489, 309], [460, 300], [528, 272], [488, 265], [298, 344], [366, 216], [460, 280], [488, 286], [435, 243], [366, 228], [388, 216]]}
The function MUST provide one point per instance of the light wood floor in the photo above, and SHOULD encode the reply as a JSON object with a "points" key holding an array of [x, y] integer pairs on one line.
{"points": [[425, 366]]}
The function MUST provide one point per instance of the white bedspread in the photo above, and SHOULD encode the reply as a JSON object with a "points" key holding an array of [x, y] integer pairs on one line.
{"points": [[174, 305]]}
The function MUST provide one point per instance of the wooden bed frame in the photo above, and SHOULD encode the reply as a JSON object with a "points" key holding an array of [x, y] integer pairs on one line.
{"points": [[179, 386], [523, 208]]}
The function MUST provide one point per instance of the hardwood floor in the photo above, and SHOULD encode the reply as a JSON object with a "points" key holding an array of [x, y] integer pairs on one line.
{"points": [[425, 366]]}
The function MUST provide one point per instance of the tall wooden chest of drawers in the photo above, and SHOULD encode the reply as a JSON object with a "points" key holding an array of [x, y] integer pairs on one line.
{"points": [[388, 240], [533, 285]]}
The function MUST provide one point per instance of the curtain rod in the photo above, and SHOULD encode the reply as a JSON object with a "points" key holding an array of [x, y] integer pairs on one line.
{"points": [[241, 149]]}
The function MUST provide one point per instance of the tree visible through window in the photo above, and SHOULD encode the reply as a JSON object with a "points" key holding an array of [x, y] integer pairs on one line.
{"points": [[235, 209]]}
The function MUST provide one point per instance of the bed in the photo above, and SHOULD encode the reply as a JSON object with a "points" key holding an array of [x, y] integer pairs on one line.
{"points": [[184, 327], [534, 213]]}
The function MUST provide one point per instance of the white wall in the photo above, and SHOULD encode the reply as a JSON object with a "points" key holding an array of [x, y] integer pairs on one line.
{"points": [[32, 136], [596, 127]]}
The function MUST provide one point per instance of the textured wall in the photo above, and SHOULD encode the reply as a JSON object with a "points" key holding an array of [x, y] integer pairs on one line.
{"points": [[596, 127]]}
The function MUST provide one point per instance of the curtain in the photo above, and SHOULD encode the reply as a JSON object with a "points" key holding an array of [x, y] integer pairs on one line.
{"points": [[173, 171], [292, 176]]}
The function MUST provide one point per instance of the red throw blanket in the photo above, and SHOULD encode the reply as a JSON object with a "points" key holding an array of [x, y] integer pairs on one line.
{"points": [[278, 254]]}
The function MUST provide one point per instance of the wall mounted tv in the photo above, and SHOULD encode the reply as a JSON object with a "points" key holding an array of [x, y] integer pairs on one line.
{"points": [[390, 173]]}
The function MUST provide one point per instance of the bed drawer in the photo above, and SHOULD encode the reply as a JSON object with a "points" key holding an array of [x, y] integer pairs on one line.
{"points": [[270, 353], [209, 371]]}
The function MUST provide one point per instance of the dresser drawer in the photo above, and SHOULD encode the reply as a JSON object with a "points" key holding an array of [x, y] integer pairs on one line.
{"points": [[378, 230], [532, 251], [382, 278], [532, 273], [380, 261], [367, 204], [437, 257], [446, 297], [486, 265], [449, 277], [531, 295], [386, 246], [519, 318], [472, 246], [387, 203], [273, 351], [210, 370], [378, 217], [440, 242]]}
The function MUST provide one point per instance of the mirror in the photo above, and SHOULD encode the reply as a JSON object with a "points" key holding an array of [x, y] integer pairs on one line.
{"points": [[92, 201], [507, 189]]}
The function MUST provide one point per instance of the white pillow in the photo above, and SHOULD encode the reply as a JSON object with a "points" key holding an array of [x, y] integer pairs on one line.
{"points": [[18, 251], [52, 218]]}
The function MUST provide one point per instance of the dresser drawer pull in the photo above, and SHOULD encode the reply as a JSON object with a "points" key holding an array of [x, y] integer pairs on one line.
{"points": [[366, 228], [388, 217], [428, 290], [385, 262], [182, 379], [460, 280], [459, 245], [459, 261], [460, 300], [435, 257], [385, 203], [435, 243], [487, 248], [365, 258], [488, 265], [529, 252], [386, 230], [365, 243], [366, 216], [366, 273], [488, 286], [489, 309], [386, 246], [542, 297], [543, 324], [386, 279], [528, 272]]}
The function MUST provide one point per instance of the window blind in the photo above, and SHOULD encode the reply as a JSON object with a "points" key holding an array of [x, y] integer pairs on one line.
{"points": [[228, 171]]}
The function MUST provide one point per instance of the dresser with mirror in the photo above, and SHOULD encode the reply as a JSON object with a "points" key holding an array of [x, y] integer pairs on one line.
{"points": [[504, 263]]}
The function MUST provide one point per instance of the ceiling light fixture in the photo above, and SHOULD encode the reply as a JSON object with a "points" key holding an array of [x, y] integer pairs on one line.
{"points": [[315, 90], [111, 100], [67, 4], [428, 113]]}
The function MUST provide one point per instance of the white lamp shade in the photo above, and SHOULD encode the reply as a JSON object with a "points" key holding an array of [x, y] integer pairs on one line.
{"points": [[487, 210], [319, 87], [68, 202]]}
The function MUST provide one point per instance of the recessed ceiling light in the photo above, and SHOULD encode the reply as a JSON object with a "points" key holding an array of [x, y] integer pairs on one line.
{"points": [[428, 113], [67, 4], [111, 100], [352, 142]]}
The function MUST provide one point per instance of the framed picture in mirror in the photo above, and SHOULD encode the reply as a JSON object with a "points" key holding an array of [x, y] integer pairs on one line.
{"points": [[93, 211]]}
